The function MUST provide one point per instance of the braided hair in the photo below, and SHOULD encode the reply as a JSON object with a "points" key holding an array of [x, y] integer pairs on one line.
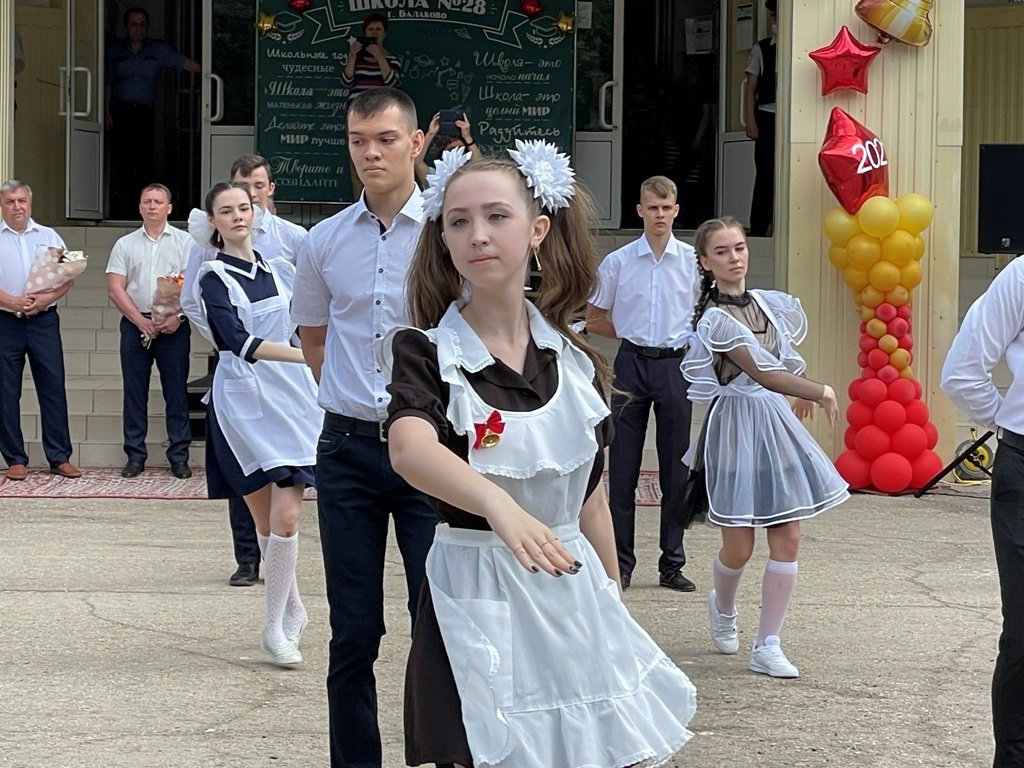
{"points": [[708, 290]]}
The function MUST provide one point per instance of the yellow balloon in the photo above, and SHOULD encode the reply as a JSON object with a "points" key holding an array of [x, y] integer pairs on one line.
{"points": [[888, 343], [885, 276], [898, 296], [879, 216], [837, 256], [866, 313], [915, 212], [840, 227], [899, 248], [875, 328], [863, 251], [900, 359], [910, 275], [907, 373], [918, 247], [871, 296], [857, 279]]}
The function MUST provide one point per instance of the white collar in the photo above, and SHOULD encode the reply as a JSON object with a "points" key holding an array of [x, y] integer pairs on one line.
{"points": [[413, 208], [473, 355], [29, 226]]}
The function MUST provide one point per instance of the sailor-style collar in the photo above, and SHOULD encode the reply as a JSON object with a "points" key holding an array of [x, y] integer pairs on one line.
{"points": [[473, 355], [241, 266]]}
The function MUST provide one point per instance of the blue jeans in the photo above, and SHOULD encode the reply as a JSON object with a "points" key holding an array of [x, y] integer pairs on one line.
{"points": [[357, 494]]}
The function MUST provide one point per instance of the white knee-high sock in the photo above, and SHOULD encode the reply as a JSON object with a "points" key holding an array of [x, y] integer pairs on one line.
{"points": [[262, 541], [295, 612], [727, 584], [279, 575], [776, 591]]}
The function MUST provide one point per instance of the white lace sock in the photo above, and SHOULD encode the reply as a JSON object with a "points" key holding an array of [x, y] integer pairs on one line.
{"points": [[279, 576], [777, 588], [262, 541], [295, 616], [727, 584]]}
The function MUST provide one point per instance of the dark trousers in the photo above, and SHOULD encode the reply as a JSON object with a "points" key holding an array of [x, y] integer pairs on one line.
{"points": [[37, 338], [131, 154], [762, 204], [357, 492], [243, 532], [1007, 508], [170, 352], [657, 381]]}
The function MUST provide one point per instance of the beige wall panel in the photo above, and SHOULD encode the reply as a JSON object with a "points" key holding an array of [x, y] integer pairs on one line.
{"points": [[914, 104]]}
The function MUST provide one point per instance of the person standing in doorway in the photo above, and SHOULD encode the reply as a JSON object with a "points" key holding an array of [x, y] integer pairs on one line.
{"points": [[992, 330], [760, 126], [154, 250], [274, 238], [352, 282], [133, 69], [30, 327], [643, 290]]}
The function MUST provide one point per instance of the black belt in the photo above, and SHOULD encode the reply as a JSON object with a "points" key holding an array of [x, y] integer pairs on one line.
{"points": [[357, 427], [1012, 439], [655, 353], [23, 316]]}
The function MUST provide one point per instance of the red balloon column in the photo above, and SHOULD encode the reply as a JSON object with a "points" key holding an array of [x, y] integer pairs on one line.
{"points": [[878, 248]]}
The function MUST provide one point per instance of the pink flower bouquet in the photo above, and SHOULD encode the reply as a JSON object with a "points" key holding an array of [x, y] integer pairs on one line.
{"points": [[52, 267]]}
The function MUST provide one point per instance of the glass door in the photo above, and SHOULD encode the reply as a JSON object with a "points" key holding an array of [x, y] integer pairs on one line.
{"points": [[81, 106], [598, 155], [229, 88]]}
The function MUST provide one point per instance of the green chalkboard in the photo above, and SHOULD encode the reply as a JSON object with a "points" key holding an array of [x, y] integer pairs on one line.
{"points": [[511, 72]]}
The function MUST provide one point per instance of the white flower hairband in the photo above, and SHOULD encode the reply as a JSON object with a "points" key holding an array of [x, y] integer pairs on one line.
{"points": [[547, 173], [201, 230]]}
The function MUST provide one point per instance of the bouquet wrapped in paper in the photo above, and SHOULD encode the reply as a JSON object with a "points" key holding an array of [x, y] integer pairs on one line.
{"points": [[52, 267], [166, 301]]}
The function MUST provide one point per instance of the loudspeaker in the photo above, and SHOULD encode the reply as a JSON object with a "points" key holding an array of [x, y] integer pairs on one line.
{"points": [[1000, 204]]}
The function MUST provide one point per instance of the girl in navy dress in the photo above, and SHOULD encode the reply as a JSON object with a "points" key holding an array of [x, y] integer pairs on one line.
{"points": [[523, 654], [762, 468], [262, 418]]}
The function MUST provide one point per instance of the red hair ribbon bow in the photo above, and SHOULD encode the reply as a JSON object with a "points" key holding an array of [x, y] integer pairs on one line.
{"points": [[487, 434]]}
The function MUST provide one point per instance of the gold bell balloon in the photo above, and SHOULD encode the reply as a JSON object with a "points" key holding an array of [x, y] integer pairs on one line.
{"points": [[904, 20]]}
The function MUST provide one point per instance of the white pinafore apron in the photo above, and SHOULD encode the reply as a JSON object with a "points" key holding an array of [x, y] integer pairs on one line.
{"points": [[267, 411], [550, 671]]}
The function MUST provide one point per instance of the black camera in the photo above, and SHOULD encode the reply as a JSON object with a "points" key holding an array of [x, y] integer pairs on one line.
{"points": [[366, 42]]}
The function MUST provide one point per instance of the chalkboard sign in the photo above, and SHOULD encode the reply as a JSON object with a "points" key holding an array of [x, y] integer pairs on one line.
{"points": [[512, 73]]}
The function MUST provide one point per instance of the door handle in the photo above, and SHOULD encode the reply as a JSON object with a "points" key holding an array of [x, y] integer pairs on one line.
{"points": [[218, 111], [88, 91], [62, 73], [743, 102], [602, 105]]}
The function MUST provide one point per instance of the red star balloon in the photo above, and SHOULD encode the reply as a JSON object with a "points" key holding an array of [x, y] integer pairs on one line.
{"points": [[853, 162], [844, 63]]}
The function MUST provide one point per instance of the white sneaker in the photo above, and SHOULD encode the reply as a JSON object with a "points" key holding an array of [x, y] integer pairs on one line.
{"points": [[768, 659], [285, 654], [723, 627]]}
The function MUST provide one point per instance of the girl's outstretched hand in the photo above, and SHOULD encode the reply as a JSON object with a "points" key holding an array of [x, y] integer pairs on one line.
{"points": [[804, 409], [534, 545], [830, 405]]}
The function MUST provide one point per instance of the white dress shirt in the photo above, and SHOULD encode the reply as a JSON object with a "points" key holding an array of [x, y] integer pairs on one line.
{"points": [[141, 259], [351, 278], [992, 327], [273, 238], [18, 250], [650, 302]]}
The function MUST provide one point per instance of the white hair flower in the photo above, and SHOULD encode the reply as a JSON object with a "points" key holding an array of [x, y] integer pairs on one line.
{"points": [[433, 196], [547, 172]]}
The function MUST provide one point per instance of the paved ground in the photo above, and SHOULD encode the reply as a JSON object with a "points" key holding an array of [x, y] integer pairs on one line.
{"points": [[122, 645]]}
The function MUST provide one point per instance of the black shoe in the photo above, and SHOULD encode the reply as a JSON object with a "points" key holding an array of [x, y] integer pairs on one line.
{"points": [[245, 575], [133, 468], [181, 470], [625, 578], [675, 580]]}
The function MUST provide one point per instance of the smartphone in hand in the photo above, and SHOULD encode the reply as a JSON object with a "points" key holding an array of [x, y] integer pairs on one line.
{"points": [[448, 118]]}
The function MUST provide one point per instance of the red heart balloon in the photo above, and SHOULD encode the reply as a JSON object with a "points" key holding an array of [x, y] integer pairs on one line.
{"points": [[853, 162], [531, 8], [844, 63], [300, 6]]}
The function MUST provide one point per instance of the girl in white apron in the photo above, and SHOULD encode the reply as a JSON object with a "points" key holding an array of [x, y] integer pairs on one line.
{"points": [[523, 653], [762, 469], [262, 415]]}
